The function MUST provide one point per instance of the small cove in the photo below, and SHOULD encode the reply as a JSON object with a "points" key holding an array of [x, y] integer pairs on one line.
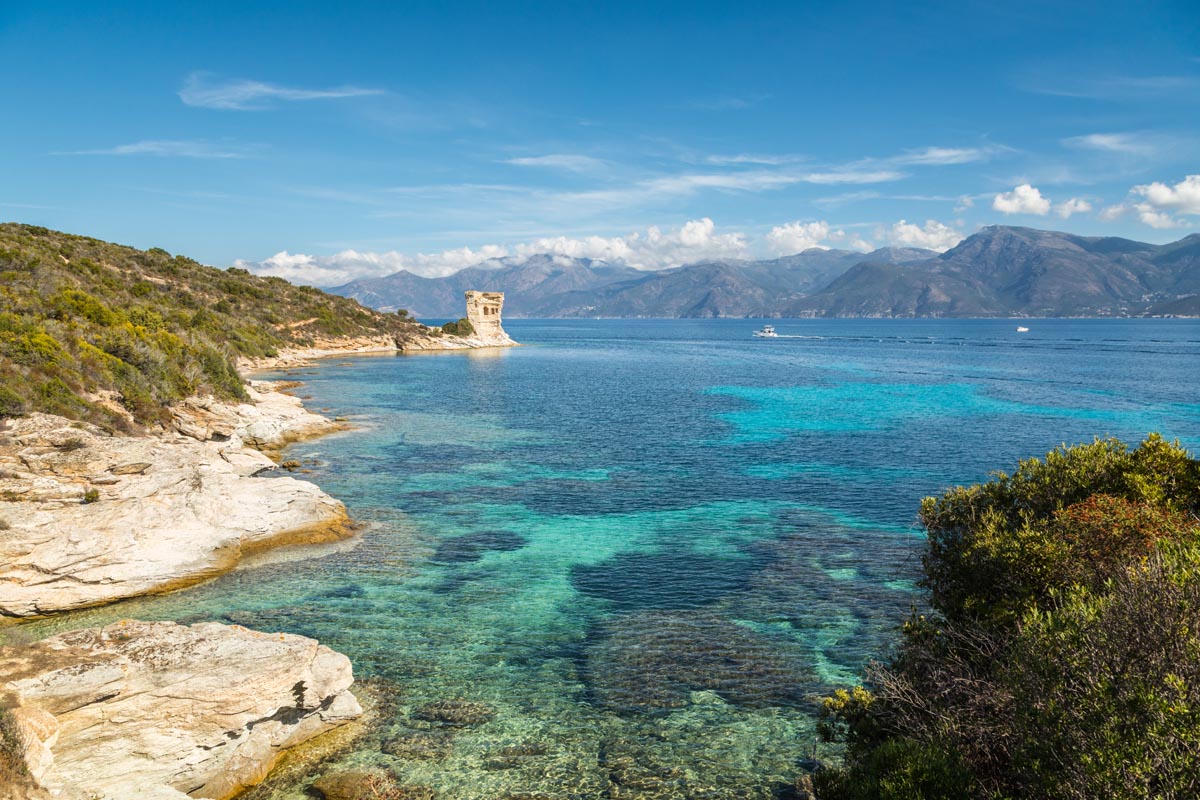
{"points": [[647, 546]]}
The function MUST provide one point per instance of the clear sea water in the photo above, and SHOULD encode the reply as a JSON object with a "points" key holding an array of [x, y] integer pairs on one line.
{"points": [[648, 546]]}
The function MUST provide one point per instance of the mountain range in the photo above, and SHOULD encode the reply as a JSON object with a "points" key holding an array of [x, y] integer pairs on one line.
{"points": [[1000, 271]]}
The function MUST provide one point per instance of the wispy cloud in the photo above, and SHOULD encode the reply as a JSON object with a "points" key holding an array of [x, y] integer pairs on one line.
{"points": [[203, 90], [855, 197], [1121, 87], [750, 158], [22, 205], [1127, 143], [745, 181], [943, 156], [571, 163], [726, 102], [166, 148]]}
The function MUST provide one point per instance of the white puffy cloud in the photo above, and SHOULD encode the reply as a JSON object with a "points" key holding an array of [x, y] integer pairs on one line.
{"points": [[796, 237], [1023, 199], [351, 264], [1155, 218], [933, 236], [652, 249], [1160, 202], [1182, 198], [1072, 206]]}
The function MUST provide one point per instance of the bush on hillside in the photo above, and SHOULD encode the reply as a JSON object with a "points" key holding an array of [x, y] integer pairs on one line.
{"points": [[80, 317], [1062, 659]]}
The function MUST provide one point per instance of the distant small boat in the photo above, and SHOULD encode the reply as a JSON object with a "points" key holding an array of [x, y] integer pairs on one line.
{"points": [[1022, 329], [767, 332]]}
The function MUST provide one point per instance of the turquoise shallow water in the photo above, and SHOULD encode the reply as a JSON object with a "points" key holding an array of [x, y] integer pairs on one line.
{"points": [[648, 546]]}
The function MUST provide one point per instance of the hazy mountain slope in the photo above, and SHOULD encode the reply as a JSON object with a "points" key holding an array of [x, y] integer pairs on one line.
{"points": [[525, 282], [999, 271], [555, 286], [1003, 271]]}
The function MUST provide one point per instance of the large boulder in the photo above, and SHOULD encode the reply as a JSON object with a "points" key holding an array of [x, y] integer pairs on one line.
{"points": [[94, 517], [159, 710]]}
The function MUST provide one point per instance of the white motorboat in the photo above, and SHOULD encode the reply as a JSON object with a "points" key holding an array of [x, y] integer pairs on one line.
{"points": [[767, 332], [1022, 329]]}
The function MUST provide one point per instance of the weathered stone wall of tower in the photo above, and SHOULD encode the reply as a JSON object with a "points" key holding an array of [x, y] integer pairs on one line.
{"points": [[483, 310]]}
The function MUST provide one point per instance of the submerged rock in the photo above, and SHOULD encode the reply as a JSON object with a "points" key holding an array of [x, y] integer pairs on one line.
{"points": [[514, 756], [160, 710], [657, 659], [419, 746], [472, 546], [663, 579], [368, 785], [455, 713]]}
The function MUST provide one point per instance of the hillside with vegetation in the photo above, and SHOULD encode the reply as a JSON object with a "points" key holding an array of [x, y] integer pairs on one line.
{"points": [[1061, 656], [106, 333]]}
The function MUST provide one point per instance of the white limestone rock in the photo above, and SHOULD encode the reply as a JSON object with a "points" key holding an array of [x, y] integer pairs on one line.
{"points": [[162, 710], [170, 510]]}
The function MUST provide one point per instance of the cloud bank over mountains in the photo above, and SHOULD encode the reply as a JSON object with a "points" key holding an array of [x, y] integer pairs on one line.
{"points": [[1158, 205], [651, 249]]}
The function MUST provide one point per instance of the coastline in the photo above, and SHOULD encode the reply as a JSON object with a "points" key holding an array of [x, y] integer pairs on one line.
{"points": [[92, 518]]}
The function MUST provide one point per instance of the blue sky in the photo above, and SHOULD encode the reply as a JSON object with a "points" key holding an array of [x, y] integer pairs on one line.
{"points": [[328, 141]]}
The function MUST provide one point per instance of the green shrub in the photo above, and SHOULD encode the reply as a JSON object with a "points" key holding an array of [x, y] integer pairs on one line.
{"points": [[11, 403], [997, 547], [91, 496], [462, 327], [1063, 657]]}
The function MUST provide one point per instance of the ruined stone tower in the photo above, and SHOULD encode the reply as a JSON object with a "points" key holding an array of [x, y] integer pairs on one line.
{"points": [[483, 310]]}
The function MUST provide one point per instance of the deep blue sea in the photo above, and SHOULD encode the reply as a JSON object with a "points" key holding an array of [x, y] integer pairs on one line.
{"points": [[649, 545]]}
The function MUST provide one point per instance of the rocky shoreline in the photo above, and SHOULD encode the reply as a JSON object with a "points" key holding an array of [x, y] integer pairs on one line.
{"points": [[94, 517], [89, 517]]}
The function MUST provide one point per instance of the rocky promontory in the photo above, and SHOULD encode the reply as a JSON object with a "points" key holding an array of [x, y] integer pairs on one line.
{"points": [[90, 517], [158, 710]]}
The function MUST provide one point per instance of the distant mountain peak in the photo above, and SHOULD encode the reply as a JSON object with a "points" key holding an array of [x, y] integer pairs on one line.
{"points": [[1000, 270]]}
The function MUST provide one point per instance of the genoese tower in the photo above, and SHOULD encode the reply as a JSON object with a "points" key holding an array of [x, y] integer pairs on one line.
{"points": [[483, 312]]}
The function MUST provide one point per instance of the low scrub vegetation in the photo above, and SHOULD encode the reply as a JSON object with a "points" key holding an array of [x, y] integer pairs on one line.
{"points": [[462, 327], [1061, 658], [101, 332]]}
